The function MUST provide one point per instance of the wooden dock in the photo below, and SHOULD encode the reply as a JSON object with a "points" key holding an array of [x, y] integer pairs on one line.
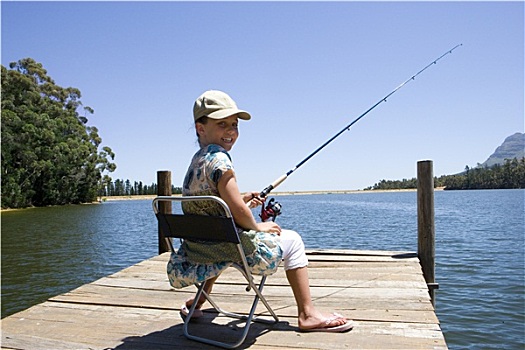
{"points": [[383, 292]]}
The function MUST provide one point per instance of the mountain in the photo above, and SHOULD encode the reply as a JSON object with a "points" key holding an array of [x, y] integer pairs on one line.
{"points": [[512, 147]]}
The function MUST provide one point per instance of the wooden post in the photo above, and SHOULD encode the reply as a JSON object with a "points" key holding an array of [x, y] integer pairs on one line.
{"points": [[163, 189], [425, 224]]}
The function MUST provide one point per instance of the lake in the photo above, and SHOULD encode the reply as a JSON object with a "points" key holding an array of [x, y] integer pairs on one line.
{"points": [[480, 262]]}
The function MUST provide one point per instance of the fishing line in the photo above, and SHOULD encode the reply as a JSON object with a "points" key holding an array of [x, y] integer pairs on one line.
{"points": [[277, 182]]}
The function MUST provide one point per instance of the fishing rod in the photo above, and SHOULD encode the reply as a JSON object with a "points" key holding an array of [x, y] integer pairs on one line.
{"points": [[277, 182]]}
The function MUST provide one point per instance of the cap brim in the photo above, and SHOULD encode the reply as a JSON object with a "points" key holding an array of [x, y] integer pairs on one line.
{"points": [[225, 113]]}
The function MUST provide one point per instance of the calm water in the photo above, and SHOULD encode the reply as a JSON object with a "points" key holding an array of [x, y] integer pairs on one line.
{"points": [[479, 250]]}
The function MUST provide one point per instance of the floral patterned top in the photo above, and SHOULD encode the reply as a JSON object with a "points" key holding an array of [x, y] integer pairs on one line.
{"points": [[206, 169], [198, 261]]}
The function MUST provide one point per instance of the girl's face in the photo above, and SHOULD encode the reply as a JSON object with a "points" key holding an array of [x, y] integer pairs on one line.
{"points": [[222, 132]]}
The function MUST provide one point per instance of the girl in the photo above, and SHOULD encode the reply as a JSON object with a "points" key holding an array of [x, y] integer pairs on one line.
{"points": [[211, 172]]}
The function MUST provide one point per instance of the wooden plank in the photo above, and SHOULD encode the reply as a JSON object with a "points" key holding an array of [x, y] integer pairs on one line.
{"points": [[157, 268], [344, 252], [338, 274], [136, 308], [279, 296], [387, 281], [358, 258], [139, 328]]}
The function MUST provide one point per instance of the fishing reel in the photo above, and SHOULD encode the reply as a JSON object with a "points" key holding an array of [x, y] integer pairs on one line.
{"points": [[271, 211]]}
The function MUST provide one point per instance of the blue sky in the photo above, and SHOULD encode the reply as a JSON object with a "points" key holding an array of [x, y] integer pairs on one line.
{"points": [[303, 70]]}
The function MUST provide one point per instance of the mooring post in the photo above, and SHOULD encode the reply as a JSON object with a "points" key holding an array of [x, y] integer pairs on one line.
{"points": [[163, 189], [425, 224]]}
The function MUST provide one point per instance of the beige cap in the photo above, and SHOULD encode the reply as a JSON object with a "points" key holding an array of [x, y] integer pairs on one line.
{"points": [[217, 105]]}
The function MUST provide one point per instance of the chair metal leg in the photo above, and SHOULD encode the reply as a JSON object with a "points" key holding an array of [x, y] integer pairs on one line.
{"points": [[248, 318]]}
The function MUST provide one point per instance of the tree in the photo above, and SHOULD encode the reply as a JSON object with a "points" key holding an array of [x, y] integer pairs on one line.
{"points": [[509, 175], [104, 167], [49, 154]]}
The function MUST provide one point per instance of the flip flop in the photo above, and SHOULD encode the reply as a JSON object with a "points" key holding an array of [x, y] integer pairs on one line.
{"points": [[184, 311], [337, 329], [348, 325]]}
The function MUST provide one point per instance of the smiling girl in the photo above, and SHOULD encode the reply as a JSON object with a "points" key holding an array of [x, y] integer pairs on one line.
{"points": [[265, 244]]}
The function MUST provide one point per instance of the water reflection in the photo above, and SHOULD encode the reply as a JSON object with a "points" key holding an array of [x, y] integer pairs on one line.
{"points": [[48, 251]]}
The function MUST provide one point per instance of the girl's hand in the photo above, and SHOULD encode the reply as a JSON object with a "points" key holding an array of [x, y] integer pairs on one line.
{"points": [[269, 227], [252, 199]]}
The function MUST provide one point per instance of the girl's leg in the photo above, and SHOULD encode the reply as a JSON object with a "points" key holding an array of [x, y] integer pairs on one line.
{"points": [[295, 264], [308, 316], [208, 285]]}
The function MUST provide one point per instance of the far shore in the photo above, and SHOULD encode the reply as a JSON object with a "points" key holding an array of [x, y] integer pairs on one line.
{"points": [[285, 193]]}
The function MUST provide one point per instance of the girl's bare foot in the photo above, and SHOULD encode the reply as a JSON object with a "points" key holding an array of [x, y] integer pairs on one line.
{"points": [[201, 301], [185, 308], [318, 322]]}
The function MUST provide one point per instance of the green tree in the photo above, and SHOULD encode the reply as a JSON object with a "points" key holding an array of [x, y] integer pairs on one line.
{"points": [[509, 175], [49, 154]]}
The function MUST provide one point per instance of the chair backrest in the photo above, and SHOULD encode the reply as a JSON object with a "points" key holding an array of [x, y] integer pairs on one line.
{"points": [[196, 227]]}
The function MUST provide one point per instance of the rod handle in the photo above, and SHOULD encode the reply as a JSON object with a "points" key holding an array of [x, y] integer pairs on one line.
{"points": [[274, 184]]}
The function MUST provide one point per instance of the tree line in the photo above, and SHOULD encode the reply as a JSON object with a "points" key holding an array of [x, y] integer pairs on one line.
{"points": [[50, 155], [125, 188], [511, 174]]}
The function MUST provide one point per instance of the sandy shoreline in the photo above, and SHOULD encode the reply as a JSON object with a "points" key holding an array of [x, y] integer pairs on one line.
{"points": [[286, 193], [151, 197]]}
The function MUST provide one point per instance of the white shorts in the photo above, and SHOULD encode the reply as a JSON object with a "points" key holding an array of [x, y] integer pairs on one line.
{"points": [[292, 245]]}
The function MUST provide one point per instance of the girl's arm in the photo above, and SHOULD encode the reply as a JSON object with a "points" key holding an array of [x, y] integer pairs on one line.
{"points": [[229, 192]]}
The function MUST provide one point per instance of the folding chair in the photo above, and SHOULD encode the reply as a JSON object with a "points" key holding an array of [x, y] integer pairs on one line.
{"points": [[215, 229]]}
